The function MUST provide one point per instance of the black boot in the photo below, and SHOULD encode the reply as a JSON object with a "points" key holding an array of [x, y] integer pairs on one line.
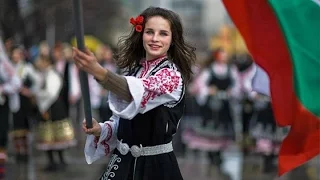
{"points": [[63, 163], [52, 166]]}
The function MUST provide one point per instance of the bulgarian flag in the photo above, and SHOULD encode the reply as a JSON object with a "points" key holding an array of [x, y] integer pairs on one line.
{"points": [[283, 37]]}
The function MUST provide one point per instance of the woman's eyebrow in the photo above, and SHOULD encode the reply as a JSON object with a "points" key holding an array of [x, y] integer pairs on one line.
{"points": [[162, 30]]}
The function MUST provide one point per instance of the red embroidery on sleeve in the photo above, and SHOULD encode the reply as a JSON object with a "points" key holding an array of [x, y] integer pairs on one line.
{"points": [[105, 142], [163, 82], [109, 132], [106, 147]]}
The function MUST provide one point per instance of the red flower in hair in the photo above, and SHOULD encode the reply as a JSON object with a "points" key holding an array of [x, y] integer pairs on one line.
{"points": [[139, 19], [139, 28], [133, 21], [137, 22]]}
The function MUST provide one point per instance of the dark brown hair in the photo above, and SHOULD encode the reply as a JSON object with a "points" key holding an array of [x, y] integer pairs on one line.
{"points": [[131, 49]]}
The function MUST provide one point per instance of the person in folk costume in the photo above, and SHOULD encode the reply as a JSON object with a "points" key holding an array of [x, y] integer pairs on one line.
{"points": [[147, 103], [54, 132], [62, 67], [74, 93], [10, 85], [71, 92], [192, 113], [21, 119], [263, 128], [214, 90], [246, 70]]}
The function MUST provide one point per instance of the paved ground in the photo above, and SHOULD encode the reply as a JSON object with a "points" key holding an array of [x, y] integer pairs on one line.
{"points": [[193, 166]]}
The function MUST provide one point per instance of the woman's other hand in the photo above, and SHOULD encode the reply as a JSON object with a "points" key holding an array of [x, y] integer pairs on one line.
{"points": [[95, 130]]}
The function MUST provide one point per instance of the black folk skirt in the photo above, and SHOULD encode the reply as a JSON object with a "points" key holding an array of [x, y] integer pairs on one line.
{"points": [[156, 167]]}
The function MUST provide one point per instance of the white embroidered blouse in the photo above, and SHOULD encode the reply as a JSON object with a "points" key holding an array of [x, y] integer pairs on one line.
{"points": [[46, 96], [148, 92]]}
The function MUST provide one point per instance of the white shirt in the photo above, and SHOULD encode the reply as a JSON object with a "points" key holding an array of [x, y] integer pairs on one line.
{"points": [[47, 96]]}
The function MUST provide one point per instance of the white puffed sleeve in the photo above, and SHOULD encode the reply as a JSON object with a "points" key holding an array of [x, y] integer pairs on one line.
{"points": [[165, 86]]}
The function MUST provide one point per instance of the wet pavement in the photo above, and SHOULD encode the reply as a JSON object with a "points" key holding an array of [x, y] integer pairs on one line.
{"points": [[193, 166]]}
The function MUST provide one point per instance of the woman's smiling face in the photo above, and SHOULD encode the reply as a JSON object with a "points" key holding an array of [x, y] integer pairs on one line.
{"points": [[157, 37]]}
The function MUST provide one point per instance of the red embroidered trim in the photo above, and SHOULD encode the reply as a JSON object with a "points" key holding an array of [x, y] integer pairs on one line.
{"points": [[150, 63], [163, 82], [109, 131], [144, 61], [106, 147], [104, 143]]}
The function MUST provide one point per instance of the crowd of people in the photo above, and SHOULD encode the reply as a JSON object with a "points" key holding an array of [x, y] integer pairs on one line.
{"points": [[220, 95], [40, 90]]}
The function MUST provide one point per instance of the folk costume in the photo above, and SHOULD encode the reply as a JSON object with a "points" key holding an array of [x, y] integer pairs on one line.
{"points": [[216, 130], [263, 129], [246, 70], [21, 118], [139, 133], [71, 85], [55, 132], [9, 102]]}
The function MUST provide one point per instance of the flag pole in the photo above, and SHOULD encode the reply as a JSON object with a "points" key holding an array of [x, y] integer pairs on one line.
{"points": [[79, 32]]}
